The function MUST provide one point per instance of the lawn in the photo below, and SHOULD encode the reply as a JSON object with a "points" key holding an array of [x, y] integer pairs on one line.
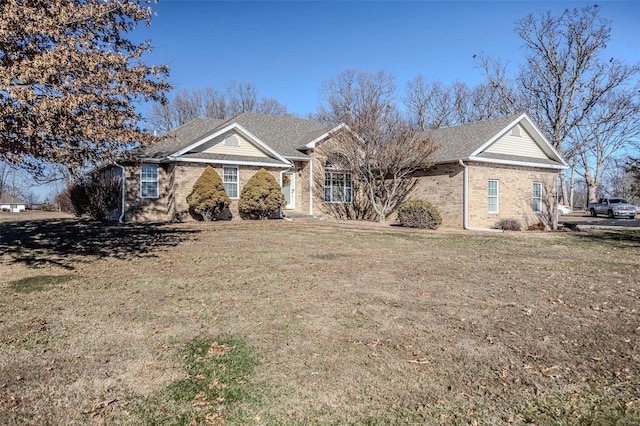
{"points": [[316, 323]]}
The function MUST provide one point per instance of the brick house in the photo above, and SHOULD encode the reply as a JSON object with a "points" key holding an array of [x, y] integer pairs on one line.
{"points": [[484, 171]]}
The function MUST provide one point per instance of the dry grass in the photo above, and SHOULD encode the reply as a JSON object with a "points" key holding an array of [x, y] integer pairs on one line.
{"points": [[351, 325]]}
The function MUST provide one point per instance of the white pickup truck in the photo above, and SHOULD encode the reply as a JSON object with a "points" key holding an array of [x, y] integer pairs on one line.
{"points": [[612, 207]]}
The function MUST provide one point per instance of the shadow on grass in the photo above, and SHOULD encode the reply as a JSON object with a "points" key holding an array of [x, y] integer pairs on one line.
{"points": [[63, 242], [625, 238], [39, 283]]}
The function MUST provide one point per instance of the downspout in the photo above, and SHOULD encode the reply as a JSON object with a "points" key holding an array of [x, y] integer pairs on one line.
{"points": [[123, 180], [465, 202], [311, 187]]}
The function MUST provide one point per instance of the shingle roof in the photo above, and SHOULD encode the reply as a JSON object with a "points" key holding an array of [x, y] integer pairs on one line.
{"points": [[460, 142], [6, 198], [180, 137], [285, 134]]}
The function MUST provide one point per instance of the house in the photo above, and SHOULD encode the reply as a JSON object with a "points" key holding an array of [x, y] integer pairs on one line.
{"points": [[491, 170], [9, 203], [483, 172]]}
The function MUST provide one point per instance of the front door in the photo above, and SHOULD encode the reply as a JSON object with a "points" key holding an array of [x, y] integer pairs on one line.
{"points": [[288, 189]]}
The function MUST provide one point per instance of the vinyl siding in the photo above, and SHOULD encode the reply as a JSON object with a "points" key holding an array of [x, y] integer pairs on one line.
{"points": [[522, 145], [245, 148]]}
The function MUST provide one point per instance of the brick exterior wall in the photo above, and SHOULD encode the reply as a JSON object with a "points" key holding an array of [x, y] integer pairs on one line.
{"points": [[176, 182], [515, 195], [442, 185]]}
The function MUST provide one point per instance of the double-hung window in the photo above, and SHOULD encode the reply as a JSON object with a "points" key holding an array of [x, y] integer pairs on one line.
{"points": [[338, 183], [537, 197], [230, 181], [149, 181], [493, 193]]}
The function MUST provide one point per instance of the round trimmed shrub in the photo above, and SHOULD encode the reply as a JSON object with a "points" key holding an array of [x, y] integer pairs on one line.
{"points": [[261, 197], [419, 214], [208, 198]]}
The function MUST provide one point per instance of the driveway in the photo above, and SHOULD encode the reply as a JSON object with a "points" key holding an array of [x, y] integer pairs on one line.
{"points": [[585, 220]]}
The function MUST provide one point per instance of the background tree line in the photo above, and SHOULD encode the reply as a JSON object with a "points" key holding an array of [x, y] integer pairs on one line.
{"points": [[70, 78], [585, 103]]}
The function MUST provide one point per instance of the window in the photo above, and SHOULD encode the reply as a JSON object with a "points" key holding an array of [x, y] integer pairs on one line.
{"points": [[537, 197], [338, 184], [230, 180], [492, 196], [149, 181], [232, 140]]}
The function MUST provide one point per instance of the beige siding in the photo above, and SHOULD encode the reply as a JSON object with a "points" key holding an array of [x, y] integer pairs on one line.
{"points": [[245, 147], [522, 145]]}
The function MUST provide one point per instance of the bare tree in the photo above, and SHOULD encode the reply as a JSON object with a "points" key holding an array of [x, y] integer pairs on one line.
{"points": [[611, 126], [208, 102], [633, 170], [383, 150], [432, 105], [564, 78], [69, 79]]}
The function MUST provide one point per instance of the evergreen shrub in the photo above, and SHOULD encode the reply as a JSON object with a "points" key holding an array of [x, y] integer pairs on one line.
{"points": [[208, 199], [261, 197]]}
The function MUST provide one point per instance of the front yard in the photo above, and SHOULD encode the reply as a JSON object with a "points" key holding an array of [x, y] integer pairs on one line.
{"points": [[303, 323]]}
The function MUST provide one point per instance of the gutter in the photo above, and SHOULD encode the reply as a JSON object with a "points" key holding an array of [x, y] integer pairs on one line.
{"points": [[465, 203], [123, 180]]}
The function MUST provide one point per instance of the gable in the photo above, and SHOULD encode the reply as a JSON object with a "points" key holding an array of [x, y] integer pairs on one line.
{"points": [[517, 141], [231, 143]]}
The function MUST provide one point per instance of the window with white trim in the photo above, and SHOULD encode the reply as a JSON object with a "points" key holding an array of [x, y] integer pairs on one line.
{"points": [[338, 183], [230, 181], [537, 197], [493, 192], [149, 181]]}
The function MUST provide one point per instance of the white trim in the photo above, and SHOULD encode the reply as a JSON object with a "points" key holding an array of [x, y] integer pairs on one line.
{"points": [[292, 188], [238, 128], [313, 143], [157, 181], [514, 163], [230, 162], [538, 137], [237, 181], [533, 198], [497, 196]]}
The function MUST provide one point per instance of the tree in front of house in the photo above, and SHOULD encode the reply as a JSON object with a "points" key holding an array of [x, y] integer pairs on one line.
{"points": [[383, 150], [261, 197], [208, 199], [69, 81]]}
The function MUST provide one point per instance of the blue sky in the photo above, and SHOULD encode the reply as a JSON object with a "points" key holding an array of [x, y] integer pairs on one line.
{"points": [[287, 49]]}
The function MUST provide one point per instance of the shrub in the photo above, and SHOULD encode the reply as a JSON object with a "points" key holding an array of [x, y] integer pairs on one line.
{"points": [[540, 226], [96, 196], [509, 225], [261, 197], [208, 198], [419, 214]]}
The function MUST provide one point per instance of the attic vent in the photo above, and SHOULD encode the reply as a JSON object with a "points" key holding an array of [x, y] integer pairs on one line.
{"points": [[232, 140], [515, 131]]}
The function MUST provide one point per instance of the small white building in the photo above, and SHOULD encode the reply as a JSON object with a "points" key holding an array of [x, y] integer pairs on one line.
{"points": [[9, 203]]}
